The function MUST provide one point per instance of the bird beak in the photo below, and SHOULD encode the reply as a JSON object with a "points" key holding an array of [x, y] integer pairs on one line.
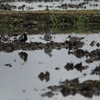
{"points": [[67, 38]]}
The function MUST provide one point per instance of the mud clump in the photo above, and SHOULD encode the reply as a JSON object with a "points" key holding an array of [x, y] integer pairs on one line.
{"points": [[69, 66], [93, 56], [88, 88], [8, 65], [78, 66], [45, 76], [96, 70], [16, 45]]}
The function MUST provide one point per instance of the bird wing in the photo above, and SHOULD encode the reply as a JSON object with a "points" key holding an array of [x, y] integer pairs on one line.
{"points": [[20, 38], [77, 38]]}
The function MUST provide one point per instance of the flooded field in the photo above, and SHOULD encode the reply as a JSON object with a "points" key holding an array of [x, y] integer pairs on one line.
{"points": [[57, 57], [31, 5], [28, 74]]}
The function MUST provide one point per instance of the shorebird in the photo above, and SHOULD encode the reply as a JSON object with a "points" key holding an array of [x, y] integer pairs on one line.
{"points": [[23, 37], [48, 37], [74, 38]]}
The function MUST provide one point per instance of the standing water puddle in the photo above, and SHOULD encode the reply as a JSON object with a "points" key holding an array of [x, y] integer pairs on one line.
{"points": [[20, 71]]}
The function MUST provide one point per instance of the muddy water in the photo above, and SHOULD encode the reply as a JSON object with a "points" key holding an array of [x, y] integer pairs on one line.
{"points": [[31, 5], [20, 80]]}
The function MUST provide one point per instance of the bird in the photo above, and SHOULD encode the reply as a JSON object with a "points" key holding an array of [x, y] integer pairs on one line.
{"points": [[23, 37], [48, 37], [74, 38]]}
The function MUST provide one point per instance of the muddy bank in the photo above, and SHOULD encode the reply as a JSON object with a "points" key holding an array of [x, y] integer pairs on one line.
{"points": [[49, 18], [55, 29], [16, 45]]}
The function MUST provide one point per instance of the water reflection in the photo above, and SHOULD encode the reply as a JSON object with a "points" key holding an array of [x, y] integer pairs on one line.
{"points": [[88, 88], [23, 56], [69, 46], [74, 45], [45, 76], [69, 66], [96, 71], [78, 67], [42, 68], [31, 0], [48, 50]]}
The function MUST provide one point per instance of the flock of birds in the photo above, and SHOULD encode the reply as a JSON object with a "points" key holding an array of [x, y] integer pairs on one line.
{"points": [[48, 37]]}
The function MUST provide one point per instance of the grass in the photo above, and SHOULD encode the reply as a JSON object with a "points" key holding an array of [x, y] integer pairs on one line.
{"points": [[54, 19]]}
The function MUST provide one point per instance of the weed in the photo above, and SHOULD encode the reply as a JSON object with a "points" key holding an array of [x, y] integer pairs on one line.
{"points": [[4, 21], [54, 20]]}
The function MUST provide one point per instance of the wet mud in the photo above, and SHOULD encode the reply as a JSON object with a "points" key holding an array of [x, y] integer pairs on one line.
{"points": [[58, 21], [87, 88], [62, 5], [8, 45], [16, 45]]}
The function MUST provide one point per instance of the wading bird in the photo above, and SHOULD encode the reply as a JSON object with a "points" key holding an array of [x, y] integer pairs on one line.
{"points": [[73, 39], [23, 37], [48, 37]]}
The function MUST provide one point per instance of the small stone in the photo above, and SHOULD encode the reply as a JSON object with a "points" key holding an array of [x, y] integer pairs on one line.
{"points": [[57, 68]]}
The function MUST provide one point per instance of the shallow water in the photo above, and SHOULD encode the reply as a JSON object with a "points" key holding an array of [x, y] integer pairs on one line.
{"points": [[21, 82], [36, 5]]}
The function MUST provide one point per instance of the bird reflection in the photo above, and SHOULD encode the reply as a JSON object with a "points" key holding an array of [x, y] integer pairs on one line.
{"points": [[48, 50], [47, 36], [23, 55]]}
